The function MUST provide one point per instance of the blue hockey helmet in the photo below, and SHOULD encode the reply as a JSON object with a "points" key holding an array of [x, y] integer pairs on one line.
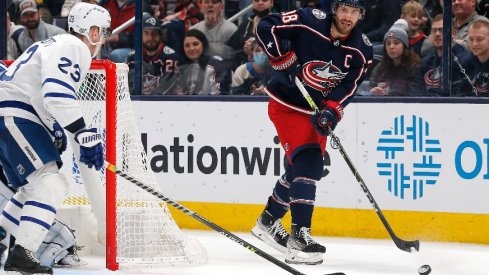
{"points": [[353, 3]]}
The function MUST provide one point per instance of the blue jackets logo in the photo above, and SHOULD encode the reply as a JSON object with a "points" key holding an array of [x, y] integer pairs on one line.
{"points": [[411, 157]]}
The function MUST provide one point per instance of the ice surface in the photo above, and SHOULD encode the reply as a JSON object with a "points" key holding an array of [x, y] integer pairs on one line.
{"points": [[351, 256]]}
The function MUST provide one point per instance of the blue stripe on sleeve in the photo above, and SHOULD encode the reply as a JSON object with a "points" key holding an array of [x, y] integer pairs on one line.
{"points": [[17, 104], [59, 82], [59, 95], [16, 202], [36, 221], [41, 205], [10, 218]]}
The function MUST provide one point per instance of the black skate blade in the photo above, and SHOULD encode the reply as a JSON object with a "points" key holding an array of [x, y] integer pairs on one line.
{"points": [[336, 273]]}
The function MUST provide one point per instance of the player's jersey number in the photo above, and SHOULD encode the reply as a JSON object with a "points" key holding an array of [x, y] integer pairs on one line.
{"points": [[25, 58], [289, 17], [67, 67]]}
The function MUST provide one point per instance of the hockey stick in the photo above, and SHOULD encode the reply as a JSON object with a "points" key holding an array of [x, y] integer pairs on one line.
{"points": [[400, 243], [203, 220]]}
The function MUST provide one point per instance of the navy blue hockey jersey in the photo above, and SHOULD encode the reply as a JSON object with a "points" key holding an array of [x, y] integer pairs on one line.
{"points": [[331, 69]]}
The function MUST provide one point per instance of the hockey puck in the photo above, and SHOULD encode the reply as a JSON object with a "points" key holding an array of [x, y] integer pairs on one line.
{"points": [[424, 269]]}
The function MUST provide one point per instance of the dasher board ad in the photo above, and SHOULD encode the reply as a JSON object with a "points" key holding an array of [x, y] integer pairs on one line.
{"points": [[412, 156]]}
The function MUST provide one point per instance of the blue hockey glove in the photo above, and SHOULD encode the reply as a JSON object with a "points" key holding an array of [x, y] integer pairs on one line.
{"points": [[60, 140], [288, 63], [91, 149], [327, 118]]}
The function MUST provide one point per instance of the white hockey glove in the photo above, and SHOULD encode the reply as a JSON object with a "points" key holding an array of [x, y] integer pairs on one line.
{"points": [[91, 149]]}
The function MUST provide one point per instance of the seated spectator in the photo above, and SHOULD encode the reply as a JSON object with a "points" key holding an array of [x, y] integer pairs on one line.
{"points": [[476, 64], [13, 32], [120, 45], [429, 76], [187, 13], [35, 29], [199, 73], [246, 29], [216, 29], [464, 14], [393, 75], [250, 78], [413, 13], [160, 62]]}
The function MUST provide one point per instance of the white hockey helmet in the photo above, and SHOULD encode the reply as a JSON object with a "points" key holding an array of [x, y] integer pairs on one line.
{"points": [[83, 16]]}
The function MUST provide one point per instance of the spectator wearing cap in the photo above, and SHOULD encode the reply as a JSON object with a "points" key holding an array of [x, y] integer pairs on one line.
{"points": [[393, 75], [160, 62], [429, 74], [121, 44], [216, 29], [35, 29]]}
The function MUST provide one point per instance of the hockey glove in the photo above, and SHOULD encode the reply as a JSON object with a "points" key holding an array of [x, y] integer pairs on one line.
{"points": [[91, 150], [289, 64], [60, 140], [327, 118]]}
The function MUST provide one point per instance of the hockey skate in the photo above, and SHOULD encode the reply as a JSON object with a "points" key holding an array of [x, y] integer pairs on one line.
{"points": [[302, 249], [271, 231], [23, 261]]}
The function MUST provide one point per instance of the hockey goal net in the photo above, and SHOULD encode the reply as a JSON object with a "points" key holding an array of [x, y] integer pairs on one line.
{"points": [[138, 227]]}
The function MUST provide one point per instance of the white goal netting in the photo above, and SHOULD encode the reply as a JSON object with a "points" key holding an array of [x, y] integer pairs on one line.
{"points": [[145, 232]]}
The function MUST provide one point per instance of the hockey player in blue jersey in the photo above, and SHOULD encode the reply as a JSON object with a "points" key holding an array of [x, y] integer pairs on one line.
{"points": [[330, 56], [38, 93]]}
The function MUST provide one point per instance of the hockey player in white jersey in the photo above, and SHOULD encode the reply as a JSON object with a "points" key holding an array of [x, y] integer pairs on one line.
{"points": [[36, 91]]}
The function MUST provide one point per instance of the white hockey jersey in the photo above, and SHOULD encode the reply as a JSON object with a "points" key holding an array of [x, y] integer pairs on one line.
{"points": [[41, 85]]}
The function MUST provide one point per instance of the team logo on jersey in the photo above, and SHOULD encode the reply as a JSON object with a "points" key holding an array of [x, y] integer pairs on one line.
{"points": [[432, 78], [150, 83], [366, 40], [319, 14], [168, 50], [481, 83], [322, 76], [20, 169]]}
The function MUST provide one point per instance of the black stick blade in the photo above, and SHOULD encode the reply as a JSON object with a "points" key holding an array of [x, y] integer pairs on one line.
{"points": [[408, 246]]}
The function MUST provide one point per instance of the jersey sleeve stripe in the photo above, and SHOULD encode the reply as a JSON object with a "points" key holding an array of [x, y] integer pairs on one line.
{"points": [[59, 95], [41, 205], [16, 203], [10, 218], [36, 221], [59, 82], [19, 105]]}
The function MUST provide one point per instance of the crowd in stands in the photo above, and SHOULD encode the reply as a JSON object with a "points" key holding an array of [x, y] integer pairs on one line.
{"points": [[191, 48]]}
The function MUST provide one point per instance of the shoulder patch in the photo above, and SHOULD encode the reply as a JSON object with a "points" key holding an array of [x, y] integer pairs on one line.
{"points": [[366, 40], [319, 14], [217, 57], [168, 50]]}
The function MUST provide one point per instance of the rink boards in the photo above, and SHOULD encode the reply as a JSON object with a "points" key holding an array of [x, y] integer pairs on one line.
{"points": [[426, 165]]}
